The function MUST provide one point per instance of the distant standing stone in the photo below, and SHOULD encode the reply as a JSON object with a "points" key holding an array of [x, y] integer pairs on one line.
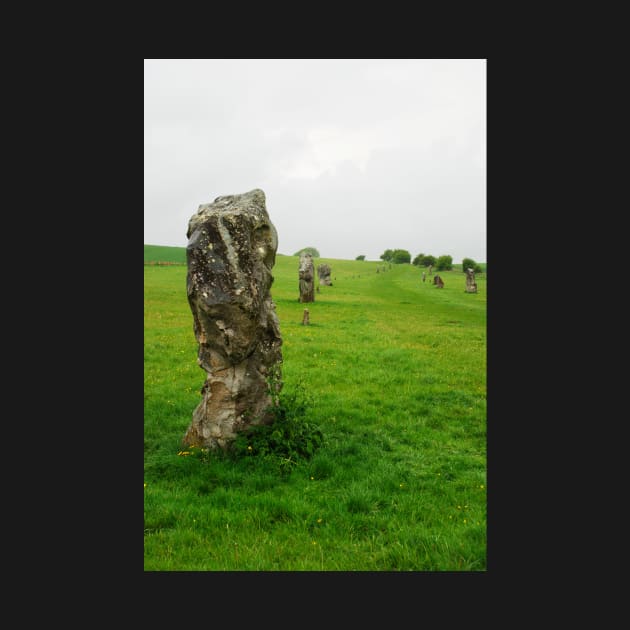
{"points": [[471, 285], [307, 278], [305, 318], [424, 276], [231, 250], [438, 282], [324, 271]]}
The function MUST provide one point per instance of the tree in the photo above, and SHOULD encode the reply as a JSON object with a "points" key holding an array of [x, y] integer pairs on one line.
{"points": [[396, 256], [401, 256], [469, 263], [308, 250], [428, 261], [361, 257], [424, 261], [444, 263]]}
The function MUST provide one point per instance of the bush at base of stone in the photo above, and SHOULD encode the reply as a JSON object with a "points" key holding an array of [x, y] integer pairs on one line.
{"points": [[290, 437]]}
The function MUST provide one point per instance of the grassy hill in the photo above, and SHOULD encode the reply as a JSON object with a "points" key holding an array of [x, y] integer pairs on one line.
{"points": [[156, 254], [394, 370]]}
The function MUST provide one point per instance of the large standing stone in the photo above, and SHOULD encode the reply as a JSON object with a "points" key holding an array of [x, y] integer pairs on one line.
{"points": [[324, 271], [231, 250], [307, 278], [471, 285], [438, 282]]}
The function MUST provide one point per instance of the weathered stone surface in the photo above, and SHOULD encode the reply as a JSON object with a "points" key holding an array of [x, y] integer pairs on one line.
{"points": [[324, 271], [231, 250], [437, 281], [305, 318], [307, 278], [471, 285]]}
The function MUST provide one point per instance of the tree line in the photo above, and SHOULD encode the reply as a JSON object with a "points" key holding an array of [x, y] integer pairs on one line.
{"points": [[441, 263]]}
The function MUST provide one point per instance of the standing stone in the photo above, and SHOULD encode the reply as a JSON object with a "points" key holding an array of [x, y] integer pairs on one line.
{"points": [[430, 269], [471, 285], [305, 318], [438, 282], [324, 271], [424, 276], [307, 278], [231, 250]]}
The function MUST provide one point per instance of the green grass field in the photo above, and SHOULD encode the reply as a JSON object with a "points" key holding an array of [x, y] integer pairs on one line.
{"points": [[395, 373]]}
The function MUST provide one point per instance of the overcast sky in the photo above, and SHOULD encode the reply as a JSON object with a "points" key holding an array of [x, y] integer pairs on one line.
{"points": [[355, 156]]}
